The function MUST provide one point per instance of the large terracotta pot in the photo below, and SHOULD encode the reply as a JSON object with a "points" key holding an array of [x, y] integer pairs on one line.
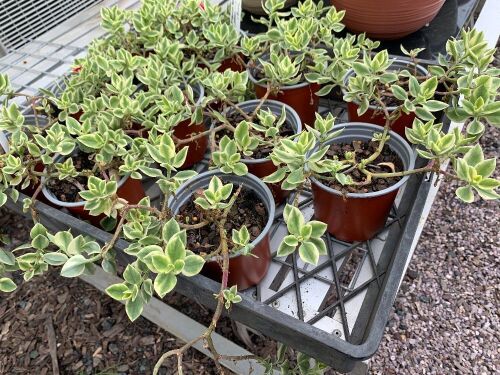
{"points": [[265, 167], [255, 6], [388, 19], [357, 217], [244, 270]]}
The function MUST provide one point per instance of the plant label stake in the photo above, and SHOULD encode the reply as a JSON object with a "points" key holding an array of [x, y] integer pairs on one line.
{"points": [[235, 7]]}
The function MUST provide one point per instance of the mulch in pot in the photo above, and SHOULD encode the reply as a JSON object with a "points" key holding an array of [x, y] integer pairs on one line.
{"points": [[248, 210], [363, 151]]}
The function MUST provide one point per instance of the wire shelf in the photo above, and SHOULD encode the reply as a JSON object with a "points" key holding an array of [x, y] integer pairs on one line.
{"points": [[23, 21]]}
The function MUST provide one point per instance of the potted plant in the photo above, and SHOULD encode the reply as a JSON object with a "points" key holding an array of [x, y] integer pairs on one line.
{"points": [[377, 74], [249, 222], [281, 60], [355, 169], [255, 128], [174, 105], [204, 30]]}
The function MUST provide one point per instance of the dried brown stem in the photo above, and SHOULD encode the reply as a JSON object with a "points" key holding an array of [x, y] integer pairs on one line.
{"points": [[194, 226], [207, 335]]}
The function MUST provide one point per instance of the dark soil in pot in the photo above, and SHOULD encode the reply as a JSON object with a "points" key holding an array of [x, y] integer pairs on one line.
{"points": [[67, 191], [248, 210], [364, 150]]}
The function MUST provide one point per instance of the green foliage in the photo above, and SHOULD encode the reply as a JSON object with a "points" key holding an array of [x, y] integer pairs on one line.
{"points": [[476, 171], [305, 365], [214, 197], [7, 285], [101, 197], [289, 52], [227, 159], [163, 254], [5, 87], [241, 241], [304, 236], [231, 296]]}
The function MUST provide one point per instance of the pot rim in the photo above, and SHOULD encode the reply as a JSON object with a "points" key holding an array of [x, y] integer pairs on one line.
{"points": [[395, 138], [264, 194], [396, 62], [289, 110], [52, 198]]}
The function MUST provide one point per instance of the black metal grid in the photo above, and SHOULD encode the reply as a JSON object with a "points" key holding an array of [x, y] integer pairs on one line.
{"points": [[352, 256]]}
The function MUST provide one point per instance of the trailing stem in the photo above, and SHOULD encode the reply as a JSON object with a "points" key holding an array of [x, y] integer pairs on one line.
{"points": [[206, 336]]}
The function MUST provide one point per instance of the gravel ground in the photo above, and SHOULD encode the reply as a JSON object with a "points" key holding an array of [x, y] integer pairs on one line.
{"points": [[446, 317]]}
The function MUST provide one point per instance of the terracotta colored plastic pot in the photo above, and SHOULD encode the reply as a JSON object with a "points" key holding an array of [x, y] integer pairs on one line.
{"points": [[244, 270], [129, 189], [301, 97], [264, 167], [186, 129], [374, 115], [359, 216], [388, 19]]}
